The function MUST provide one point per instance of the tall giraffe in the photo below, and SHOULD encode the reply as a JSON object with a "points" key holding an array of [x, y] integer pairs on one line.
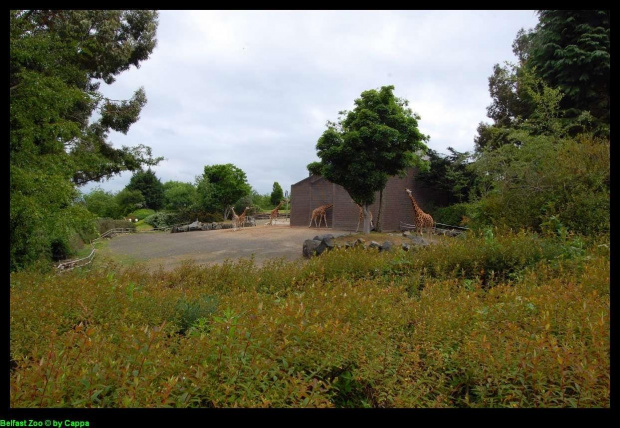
{"points": [[235, 218], [321, 213], [242, 217], [361, 219], [274, 214], [421, 220]]}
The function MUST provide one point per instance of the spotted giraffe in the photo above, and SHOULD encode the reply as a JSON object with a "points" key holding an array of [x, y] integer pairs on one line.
{"points": [[421, 220], [321, 213], [241, 219], [274, 214], [235, 218]]}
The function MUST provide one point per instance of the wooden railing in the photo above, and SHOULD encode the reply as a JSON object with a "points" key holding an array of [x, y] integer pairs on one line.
{"points": [[72, 264], [459, 229]]}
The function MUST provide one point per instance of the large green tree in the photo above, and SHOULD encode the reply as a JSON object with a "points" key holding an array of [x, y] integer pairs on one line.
{"points": [[569, 51], [179, 195], [377, 139], [276, 194], [103, 204], [147, 183], [58, 59], [220, 186]]}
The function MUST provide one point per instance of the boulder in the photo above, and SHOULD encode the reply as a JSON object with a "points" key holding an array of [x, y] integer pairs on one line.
{"points": [[374, 244], [406, 233], [321, 237], [405, 247], [310, 246], [416, 240], [387, 246]]}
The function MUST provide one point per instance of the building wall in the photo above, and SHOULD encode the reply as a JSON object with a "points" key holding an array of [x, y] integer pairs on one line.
{"points": [[309, 194], [314, 191]]}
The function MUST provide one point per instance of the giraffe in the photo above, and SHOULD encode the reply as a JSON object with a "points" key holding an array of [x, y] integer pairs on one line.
{"points": [[235, 218], [241, 218], [274, 214], [421, 220], [321, 213], [361, 218]]}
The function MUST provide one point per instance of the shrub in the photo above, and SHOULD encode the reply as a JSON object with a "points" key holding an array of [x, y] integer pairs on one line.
{"points": [[452, 215], [141, 214], [161, 219], [430, 328]]}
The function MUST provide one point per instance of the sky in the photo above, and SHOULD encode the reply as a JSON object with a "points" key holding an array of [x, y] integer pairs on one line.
{"points": [[256, 88]]}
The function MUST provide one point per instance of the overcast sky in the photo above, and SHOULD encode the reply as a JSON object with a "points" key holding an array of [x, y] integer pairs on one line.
{"points": [[255, 88]]}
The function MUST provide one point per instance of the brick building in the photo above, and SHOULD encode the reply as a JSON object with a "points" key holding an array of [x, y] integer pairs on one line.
{"points": [[314, 191]]}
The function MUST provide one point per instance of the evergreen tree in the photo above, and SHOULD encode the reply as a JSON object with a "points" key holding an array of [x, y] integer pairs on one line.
{"points": [[151, 188], [277, 194]]}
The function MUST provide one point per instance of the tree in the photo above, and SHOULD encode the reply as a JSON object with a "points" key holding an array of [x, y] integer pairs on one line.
{"points": [[571, 51], [277, 194], [56, 60], [130, 200], [150, 186], [220, 186], [179, 195], [450, 174], [377, 139], [102, 203]]}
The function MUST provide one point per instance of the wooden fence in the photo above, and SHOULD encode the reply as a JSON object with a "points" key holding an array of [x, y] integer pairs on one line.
{"points": [[439, 228]]}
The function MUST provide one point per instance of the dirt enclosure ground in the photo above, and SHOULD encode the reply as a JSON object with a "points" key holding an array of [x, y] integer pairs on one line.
{"points": [[170, 250]]}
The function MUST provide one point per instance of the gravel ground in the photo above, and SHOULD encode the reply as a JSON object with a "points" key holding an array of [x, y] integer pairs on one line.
{"points": [[215, 246]]}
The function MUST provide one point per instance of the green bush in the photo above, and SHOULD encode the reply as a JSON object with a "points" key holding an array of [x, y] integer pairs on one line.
{"points": [[141, 214], [162, 219], [351, 328], [452, 215], [545, 177], [191, 215]]}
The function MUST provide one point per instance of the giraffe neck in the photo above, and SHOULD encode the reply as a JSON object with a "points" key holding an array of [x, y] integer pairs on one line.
{"points": [[416, 208]]}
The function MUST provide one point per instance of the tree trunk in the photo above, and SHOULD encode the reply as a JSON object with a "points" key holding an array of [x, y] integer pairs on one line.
{"points": [[226, 213], [366, 219], [378, 222]]}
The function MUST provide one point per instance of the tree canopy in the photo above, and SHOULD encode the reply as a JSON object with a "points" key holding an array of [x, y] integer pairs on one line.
{"points": [[58, 59], [147, 183], [179, 195], [377, 139], [277, 194], [220, 186], [567, 52]]}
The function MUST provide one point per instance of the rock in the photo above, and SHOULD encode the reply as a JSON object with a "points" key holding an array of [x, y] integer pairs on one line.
{"points": [[310, 247], [321, 237], [348, 244], [419, 241], [406, 233], [217, 226], [374, 244], [387, 246], [359, 241], [320, 248], [405, 247], [328, 241]]}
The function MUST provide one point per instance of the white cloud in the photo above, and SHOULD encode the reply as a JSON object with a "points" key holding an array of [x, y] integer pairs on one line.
{"points": [[255, 88]]}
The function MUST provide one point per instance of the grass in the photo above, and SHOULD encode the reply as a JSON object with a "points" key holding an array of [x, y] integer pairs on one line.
{"points": [[514, 320]]}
